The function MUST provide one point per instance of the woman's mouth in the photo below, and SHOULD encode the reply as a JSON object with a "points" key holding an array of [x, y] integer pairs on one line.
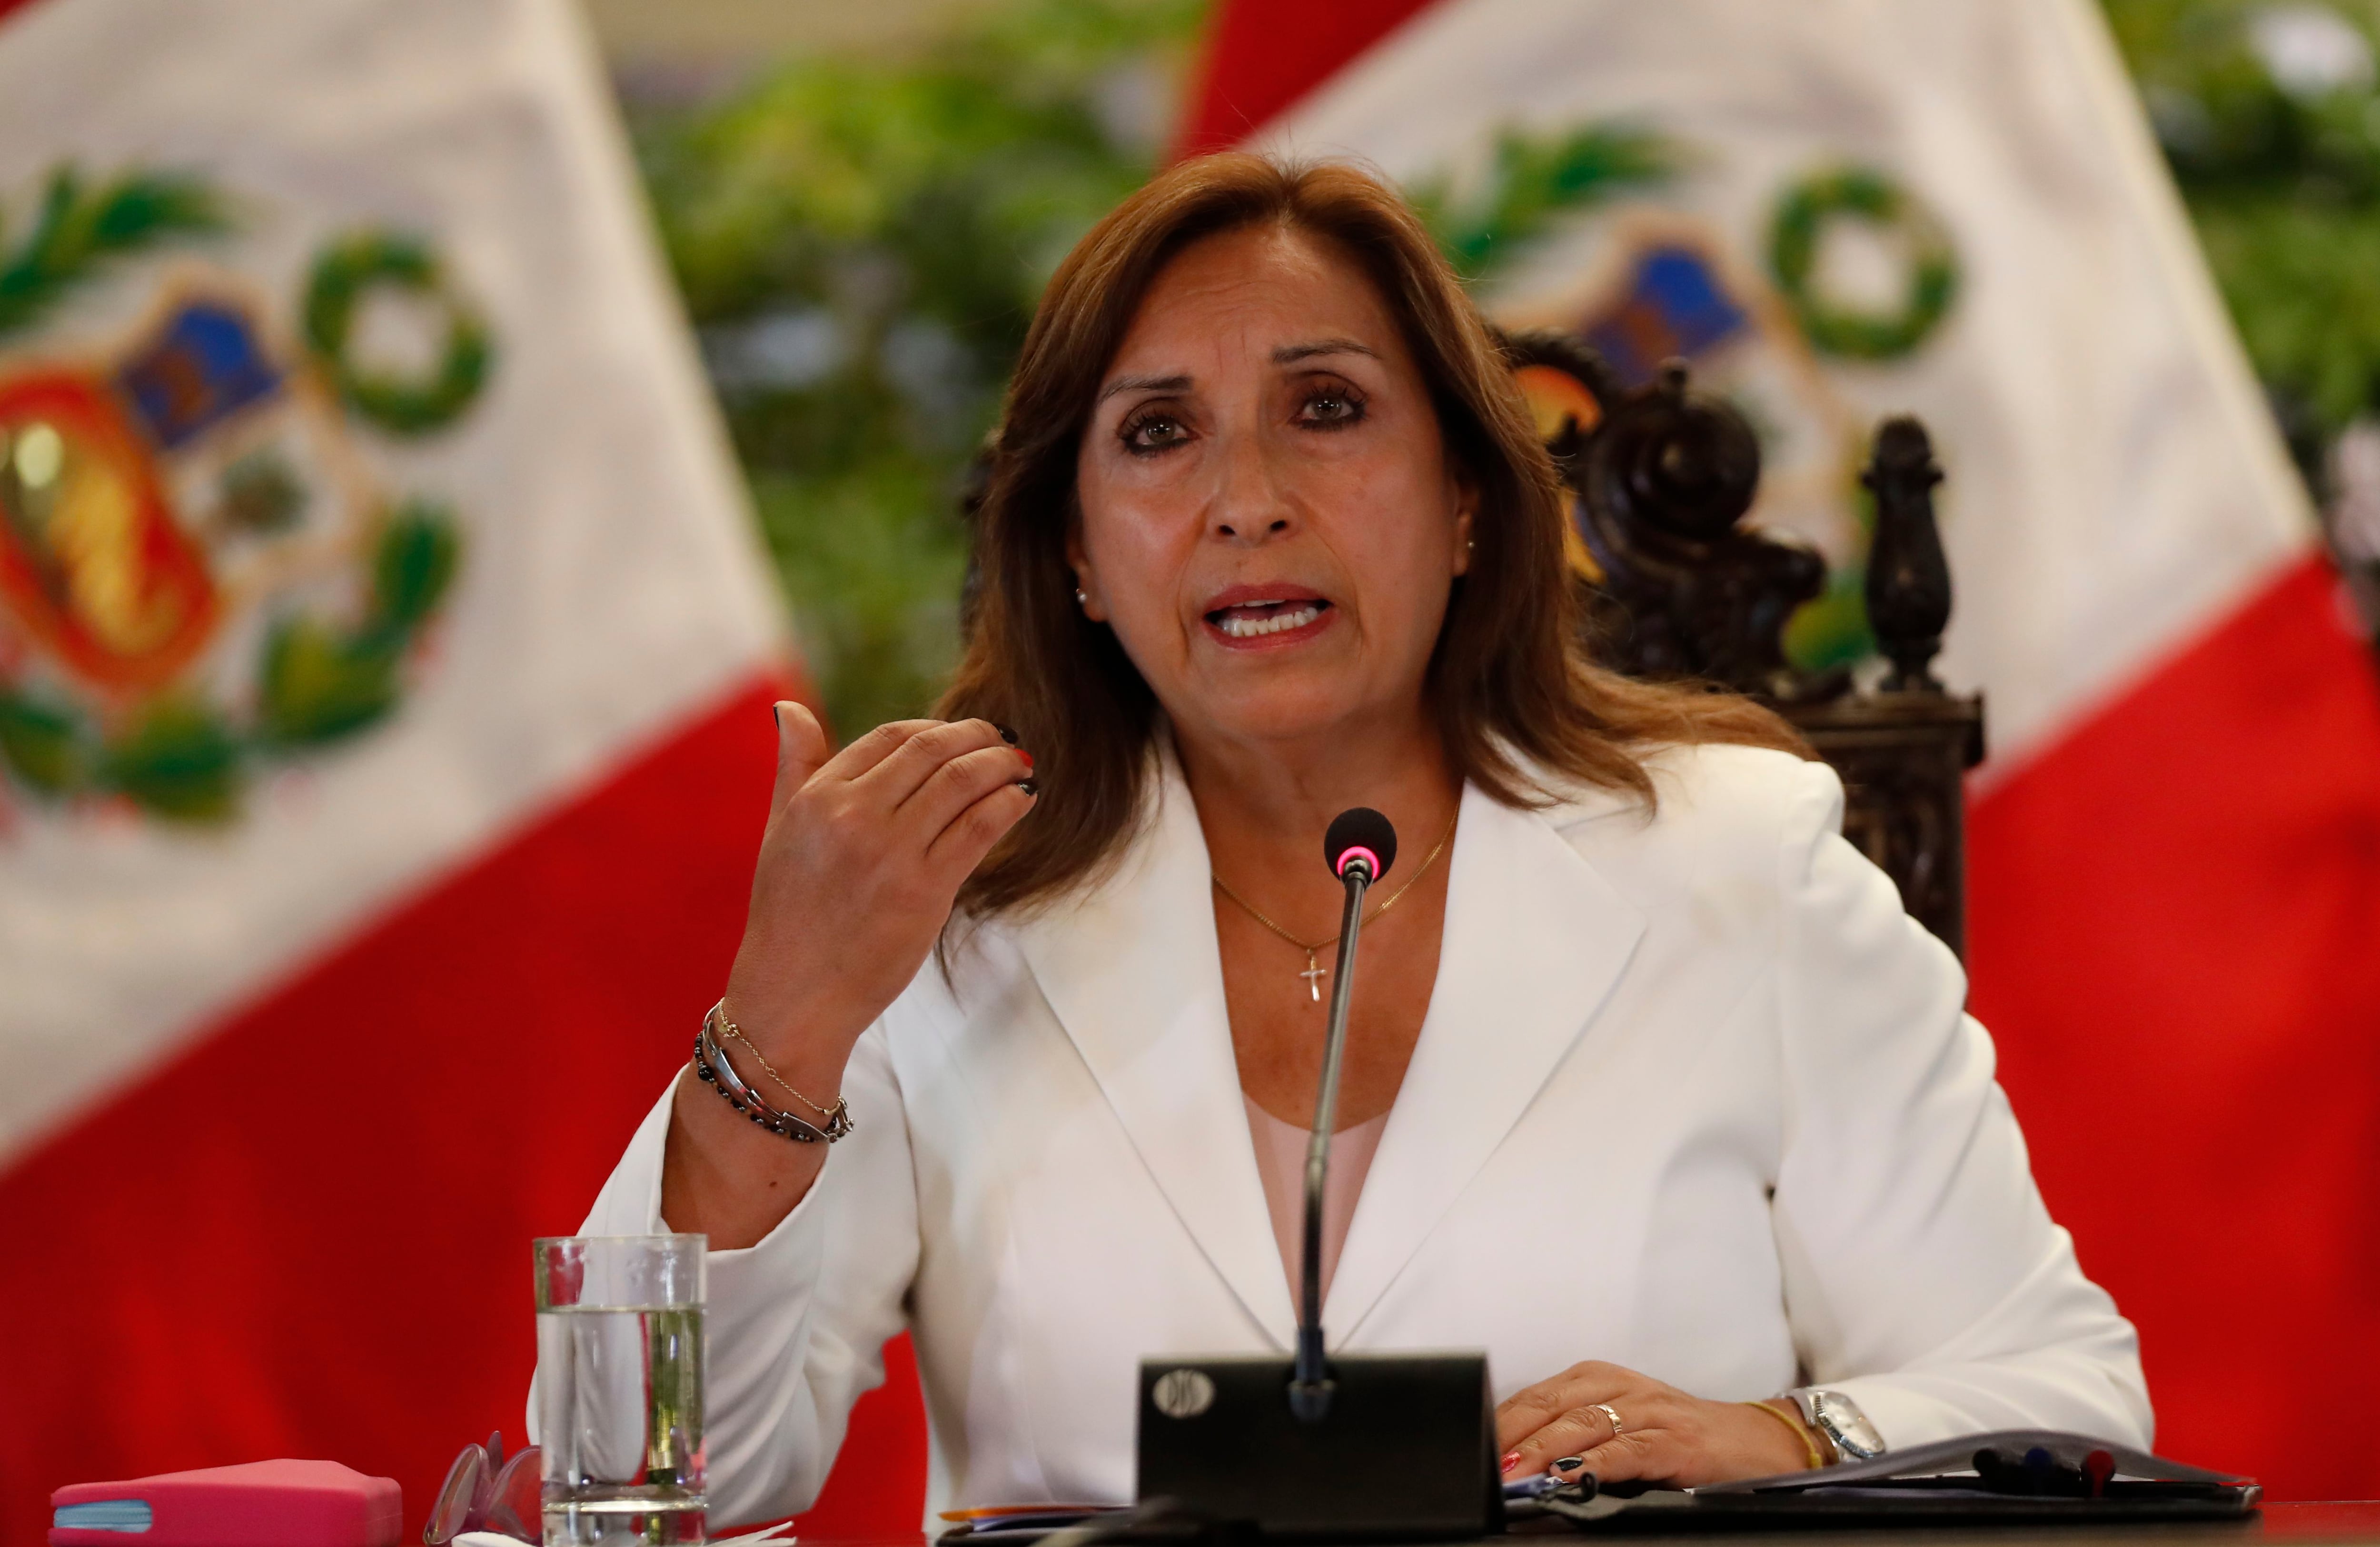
{"points": [[1269, 619]]}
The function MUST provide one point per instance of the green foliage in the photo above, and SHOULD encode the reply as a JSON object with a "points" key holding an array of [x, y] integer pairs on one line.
{"points": [[861, 243], [1849, 333], [42, 743], [350, 270], [418, 553], [79, 230], [873, 573], [1831, 628], [2282, 180], [320, 684], [181, 759], [1535, 182]]}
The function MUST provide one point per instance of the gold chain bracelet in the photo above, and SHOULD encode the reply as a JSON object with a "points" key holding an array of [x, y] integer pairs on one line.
{"points": [[719, 1014], [711, 1063]]}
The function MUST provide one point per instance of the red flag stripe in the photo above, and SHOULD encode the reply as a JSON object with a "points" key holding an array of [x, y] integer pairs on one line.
{"points": [[2174, 935], [1258, 60], [308, 1234]]}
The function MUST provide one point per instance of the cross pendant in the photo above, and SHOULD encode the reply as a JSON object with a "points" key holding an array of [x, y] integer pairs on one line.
{"points": [[1314, 974]]}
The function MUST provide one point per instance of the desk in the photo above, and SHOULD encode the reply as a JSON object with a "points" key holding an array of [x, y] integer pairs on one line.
{"points": [[2344, 1525], [2315, 1525]]}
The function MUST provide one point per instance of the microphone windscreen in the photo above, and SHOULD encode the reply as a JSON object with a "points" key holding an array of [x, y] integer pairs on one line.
{"points": [[1360, 828]]}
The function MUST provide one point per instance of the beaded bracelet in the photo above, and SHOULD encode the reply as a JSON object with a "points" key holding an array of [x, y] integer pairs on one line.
{"points": [[711, 1066]]}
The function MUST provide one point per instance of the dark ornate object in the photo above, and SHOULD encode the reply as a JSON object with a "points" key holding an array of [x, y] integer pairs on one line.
{"points": [[1907, 578], [1675, 588], [1685, 592]]}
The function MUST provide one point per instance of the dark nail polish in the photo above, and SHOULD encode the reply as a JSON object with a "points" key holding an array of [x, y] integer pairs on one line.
{"points": [[1030, 787], [1567, 1462], [777, 716], [1006, 734]]}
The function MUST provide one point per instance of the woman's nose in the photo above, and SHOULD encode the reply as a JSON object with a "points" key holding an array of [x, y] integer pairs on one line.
{"points": [[1250, 505]]}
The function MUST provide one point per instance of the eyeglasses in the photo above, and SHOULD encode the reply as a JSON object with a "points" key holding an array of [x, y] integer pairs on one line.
{"points": [[483, 1492]]}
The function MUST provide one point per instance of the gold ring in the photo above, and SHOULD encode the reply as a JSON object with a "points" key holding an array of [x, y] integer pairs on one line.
{"points": [[1607, 1412]]}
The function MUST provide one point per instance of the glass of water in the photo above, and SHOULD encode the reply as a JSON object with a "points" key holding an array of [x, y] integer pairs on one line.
{"points": [[619, 1389]]}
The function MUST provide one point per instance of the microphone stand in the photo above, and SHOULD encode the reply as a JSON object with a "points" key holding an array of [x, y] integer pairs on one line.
{"points": [[1369, 1448], [1309, 1386]]}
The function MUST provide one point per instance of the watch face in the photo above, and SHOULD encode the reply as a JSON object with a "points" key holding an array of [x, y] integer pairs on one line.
{"points": [[1843, 1422]]}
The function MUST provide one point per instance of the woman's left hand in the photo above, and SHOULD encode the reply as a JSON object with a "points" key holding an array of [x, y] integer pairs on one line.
{"points": [[1665, 1436]]}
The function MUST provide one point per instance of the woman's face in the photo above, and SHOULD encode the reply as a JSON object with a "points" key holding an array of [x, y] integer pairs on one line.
{"points": [[1269, 523]]}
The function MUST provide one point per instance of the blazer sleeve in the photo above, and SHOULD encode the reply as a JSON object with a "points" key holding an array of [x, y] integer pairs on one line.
{"points": [[796, 1323], [1923, 1277]]}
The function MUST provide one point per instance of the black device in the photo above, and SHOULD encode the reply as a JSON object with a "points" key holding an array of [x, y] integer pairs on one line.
{"points": [[1373, 1445]]}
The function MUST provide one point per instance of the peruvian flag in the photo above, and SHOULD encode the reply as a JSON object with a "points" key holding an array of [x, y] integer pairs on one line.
{"points": [[385, 660], [1838, 209]]}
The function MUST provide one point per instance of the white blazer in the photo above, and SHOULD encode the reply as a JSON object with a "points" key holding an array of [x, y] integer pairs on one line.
{"points": [[1694, 1095]]}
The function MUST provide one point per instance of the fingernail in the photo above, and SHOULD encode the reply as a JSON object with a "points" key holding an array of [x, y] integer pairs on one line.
{"points": [[1567, 1463], [1025, 755], [1006, 734], [1512, 1459], [777, 716], [1029, 787]]}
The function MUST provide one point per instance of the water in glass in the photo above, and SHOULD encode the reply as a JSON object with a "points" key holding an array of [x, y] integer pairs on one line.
{"points": [[620, 1416]]}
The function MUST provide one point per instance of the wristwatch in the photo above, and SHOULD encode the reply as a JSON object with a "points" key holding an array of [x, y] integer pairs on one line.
{"points": [[1838, 1420]]}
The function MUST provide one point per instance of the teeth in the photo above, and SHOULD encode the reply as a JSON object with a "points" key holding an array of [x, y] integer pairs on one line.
{"points": [[1241, 626]]}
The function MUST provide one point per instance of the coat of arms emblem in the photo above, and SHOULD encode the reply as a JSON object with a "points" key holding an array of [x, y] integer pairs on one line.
{"points": [[200, 573]]}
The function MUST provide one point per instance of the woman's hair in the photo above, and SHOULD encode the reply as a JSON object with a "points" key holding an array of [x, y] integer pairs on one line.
{"points": [[1518, 702]]}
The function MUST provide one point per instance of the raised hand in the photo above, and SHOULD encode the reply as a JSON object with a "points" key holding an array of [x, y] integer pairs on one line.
{"points": [[863, 856]]}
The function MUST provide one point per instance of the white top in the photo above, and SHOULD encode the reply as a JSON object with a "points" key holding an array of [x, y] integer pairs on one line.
{"points": [[1693, 1095], [1280, 1166]]}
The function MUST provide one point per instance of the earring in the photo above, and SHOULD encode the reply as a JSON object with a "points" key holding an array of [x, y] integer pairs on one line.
{"points": [[1081, 599]]}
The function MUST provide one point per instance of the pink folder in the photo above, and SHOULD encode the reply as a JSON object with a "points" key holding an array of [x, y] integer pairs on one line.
{"points": [[264, 1504]]}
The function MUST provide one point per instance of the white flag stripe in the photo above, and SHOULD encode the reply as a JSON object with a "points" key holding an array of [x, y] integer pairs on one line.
{"points": [[610, 585], [2115, 485]]}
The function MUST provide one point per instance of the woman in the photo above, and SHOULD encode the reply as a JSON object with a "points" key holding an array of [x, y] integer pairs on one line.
{"points": [[1653, 1091]]}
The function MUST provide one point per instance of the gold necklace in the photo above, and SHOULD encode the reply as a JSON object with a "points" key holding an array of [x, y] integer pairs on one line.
{"points": [[1315, 971]]}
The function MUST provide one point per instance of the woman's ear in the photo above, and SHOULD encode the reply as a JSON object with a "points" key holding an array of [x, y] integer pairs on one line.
{"points": [[1467, 507], [1086, 587]]}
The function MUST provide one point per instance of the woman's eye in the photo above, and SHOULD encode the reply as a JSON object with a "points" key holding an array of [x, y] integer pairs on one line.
{"points": [[1154, 432], [1328, 408]]}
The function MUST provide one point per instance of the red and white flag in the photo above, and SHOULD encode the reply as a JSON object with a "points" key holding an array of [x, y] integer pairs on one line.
{"points": [[384, 666], [1839, 210]]}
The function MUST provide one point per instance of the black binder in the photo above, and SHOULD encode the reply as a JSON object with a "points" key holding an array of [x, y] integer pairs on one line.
{"points": [[2017, 1477]]}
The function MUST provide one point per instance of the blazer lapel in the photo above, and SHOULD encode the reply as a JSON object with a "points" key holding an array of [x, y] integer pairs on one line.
{"points": [[1132, 971], [1535, 939]]}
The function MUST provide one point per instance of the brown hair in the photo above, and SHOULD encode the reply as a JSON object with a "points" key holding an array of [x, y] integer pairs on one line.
{"points": [[1516, 699]]}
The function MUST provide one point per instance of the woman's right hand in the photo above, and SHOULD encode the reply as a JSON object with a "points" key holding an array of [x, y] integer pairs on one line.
{"points": [[862, 858], [864, 853]]}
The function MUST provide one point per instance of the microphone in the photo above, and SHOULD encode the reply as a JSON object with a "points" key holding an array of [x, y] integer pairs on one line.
{"points": [[1359, 846], [1360, 836], [1369, 1446]]}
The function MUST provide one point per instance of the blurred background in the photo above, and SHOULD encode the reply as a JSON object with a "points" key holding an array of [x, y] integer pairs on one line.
{"points": [[432, 433], [860, 204]]}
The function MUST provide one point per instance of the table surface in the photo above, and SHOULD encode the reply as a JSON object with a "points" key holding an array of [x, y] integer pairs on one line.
{"points": [[2347, 1524], [2353, 1524]]}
